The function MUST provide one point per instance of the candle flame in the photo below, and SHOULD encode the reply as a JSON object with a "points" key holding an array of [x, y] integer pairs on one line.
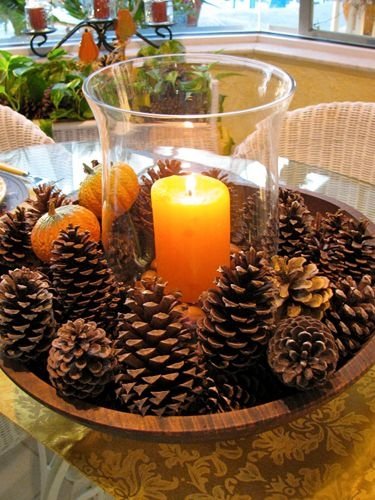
{"points": [[191, 183]]}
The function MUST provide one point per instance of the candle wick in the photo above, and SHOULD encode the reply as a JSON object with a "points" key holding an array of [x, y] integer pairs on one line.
{"points": [[190, 193]]}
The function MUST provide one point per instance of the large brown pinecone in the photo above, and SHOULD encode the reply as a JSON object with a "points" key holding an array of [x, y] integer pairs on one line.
{"points": [[141, 210], [344, 247], [351, 318], [15, 242], [159, 372], [81, 360], [239, 313], [27, 322], [39, 202], [301, 289], [351, 251], [82, 279], [295, 224], [303, 352]]}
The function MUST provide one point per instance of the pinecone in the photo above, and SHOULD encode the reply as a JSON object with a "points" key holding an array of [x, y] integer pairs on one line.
{"points": [[330, 224], [159, 372], [27, 322], [15, 242], [122, 252], [83, 281], [348, 251], [301, 289], [39, 204], [247, 223], [351, 318], [29, 108], [243, 223], [210, 399], [46, 106], [117, 55], [141, 210], [239, 313], [302, 352], [295, 224], [81, 360], [240, 389]]}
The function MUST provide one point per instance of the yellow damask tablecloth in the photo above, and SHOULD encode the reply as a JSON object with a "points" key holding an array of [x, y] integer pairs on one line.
{"points": [[328, 455]]}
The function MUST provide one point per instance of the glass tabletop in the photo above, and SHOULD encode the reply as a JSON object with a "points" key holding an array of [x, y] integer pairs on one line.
{"points": [[63, 163]]}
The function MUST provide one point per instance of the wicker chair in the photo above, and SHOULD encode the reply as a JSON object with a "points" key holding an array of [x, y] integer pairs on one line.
{"points": [[17, 131], [337, 136]]}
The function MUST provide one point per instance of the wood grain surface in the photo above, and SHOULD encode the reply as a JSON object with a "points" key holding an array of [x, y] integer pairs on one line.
{"points": [[227, 425]]}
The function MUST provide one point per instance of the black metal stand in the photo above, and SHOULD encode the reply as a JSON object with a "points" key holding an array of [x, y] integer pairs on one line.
{"points": [[35, 35], [158, 27], [100, 26]]}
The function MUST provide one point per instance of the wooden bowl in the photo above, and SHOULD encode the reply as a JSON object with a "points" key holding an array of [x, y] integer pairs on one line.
{"points": [[227, 425]]}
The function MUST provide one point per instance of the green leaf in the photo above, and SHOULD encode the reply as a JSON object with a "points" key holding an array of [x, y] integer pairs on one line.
{"points": [[55, 54]]}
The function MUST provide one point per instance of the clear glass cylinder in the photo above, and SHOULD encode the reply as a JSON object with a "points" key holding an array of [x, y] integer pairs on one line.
{"points": [[189, 147], [101, 9], [158, 12], [37, 14]]}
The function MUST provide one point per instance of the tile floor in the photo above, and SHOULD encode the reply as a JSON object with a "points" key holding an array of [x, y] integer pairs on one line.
{"points": [[20, 478]]}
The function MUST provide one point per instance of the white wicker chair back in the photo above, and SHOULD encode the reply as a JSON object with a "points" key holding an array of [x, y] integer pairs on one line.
{"points": [[338, 136], [17, 131]]}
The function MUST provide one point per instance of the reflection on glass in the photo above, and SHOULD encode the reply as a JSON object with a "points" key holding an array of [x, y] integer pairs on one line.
{"points": [[356, 17]]}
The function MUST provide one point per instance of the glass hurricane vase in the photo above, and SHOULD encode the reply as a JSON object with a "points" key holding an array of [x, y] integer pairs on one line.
{"points": [[189, 147]]}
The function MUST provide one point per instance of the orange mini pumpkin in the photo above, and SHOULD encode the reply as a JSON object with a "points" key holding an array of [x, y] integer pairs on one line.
{"points": [[48, 227], [123, 188], [90, 189]]}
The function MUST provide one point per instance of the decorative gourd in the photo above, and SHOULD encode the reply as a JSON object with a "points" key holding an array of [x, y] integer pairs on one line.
{"points": [[48, 227], [125, 27], [90, 190], [124, 188], [88, 50]]}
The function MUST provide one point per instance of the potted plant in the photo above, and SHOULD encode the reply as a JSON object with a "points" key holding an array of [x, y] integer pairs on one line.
{"points": [[177, 87], [46, 91]]}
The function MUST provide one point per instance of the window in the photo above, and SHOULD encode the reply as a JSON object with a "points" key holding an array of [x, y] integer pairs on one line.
{"points": [[349, 21]]}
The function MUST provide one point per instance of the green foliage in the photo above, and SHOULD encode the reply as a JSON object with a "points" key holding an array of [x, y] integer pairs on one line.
{"points": [[13, 11], [75, 8], [154, 79], [167, 47], [24, 80]]}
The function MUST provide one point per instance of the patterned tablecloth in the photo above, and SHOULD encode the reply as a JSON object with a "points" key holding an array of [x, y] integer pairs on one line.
{"points": [[327, 455]]}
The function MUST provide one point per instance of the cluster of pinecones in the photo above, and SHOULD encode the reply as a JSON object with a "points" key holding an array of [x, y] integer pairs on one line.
{"points": [[267, 328], [34, 110]]}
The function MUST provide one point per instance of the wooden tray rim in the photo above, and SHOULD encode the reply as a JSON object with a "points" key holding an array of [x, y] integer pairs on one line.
{"points": [[228, 425]]}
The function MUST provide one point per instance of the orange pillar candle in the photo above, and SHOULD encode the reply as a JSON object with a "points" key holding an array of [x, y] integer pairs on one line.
{"points": [[192, 231]]}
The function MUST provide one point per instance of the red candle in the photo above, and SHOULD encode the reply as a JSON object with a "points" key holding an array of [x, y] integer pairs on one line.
{"points": [[37, 17], [101, 9], [159, 12]]}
